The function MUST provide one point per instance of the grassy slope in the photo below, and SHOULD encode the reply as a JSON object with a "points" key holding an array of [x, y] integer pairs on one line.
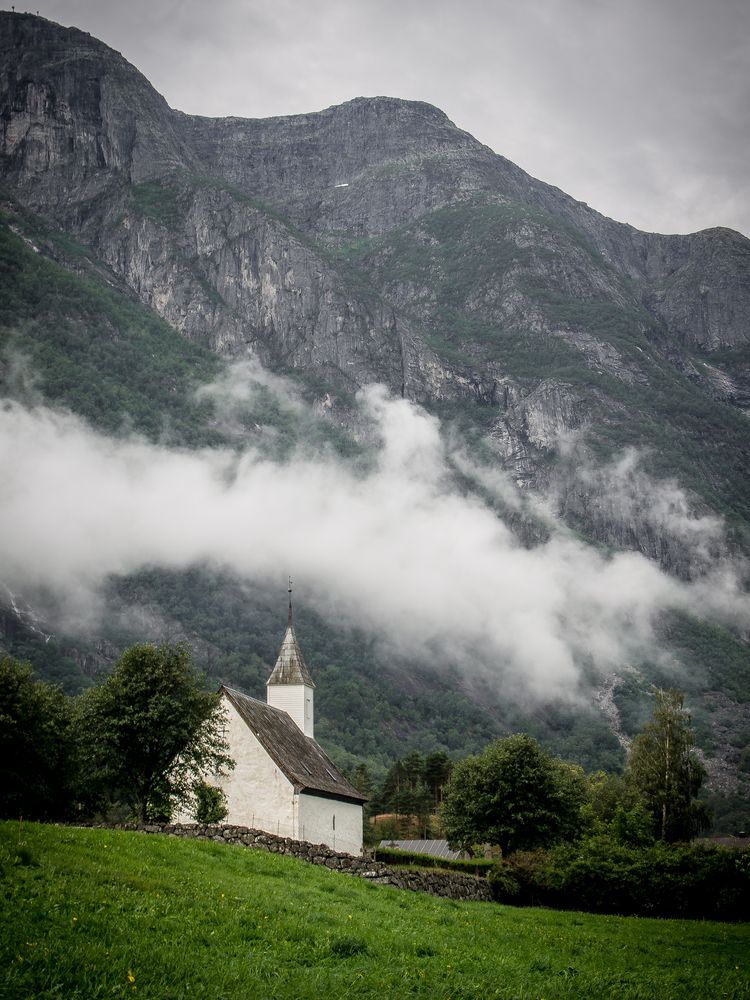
{"points": [[95, 913]]}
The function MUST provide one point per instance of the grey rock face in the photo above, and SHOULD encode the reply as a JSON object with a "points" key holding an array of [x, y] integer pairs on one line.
{"points": [[333, 172], [76, 116], [228, 275]]}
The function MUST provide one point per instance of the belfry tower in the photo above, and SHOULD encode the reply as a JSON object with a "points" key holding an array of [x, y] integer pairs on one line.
{"points": [[290, 686]]}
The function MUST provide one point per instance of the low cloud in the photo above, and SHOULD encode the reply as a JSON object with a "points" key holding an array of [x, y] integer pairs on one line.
{"points": [[240, 384], [632, 494], [398, 548]]}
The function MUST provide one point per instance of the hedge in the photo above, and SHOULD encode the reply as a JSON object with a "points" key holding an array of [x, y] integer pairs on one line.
{"points": [[601, 876]]}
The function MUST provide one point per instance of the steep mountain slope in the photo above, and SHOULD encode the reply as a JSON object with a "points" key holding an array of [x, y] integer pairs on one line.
{"points": [[374, 241], [377, 241]]}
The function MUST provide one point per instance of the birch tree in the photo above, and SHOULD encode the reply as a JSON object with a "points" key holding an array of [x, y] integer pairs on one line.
{"points": [[665, 771]]}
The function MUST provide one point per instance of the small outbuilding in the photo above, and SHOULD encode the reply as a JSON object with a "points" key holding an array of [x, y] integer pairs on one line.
{"points": [[431, 848]]}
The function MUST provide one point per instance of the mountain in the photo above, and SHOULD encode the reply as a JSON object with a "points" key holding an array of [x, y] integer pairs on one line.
{"points": [[378, 242]]}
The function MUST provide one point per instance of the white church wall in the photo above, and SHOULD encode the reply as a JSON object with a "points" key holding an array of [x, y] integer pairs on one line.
{"points": [[334, 823], [258, 794]]}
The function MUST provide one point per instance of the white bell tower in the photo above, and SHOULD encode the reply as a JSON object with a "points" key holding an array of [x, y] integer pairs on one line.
{"points": [[290, 686]]}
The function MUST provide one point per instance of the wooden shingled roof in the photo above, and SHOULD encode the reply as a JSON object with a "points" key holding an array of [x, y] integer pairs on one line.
{"points": [[298, 756], [290, 664]]}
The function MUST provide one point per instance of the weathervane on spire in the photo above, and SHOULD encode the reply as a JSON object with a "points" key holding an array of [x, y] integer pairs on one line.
{"points": [[289, 616]]}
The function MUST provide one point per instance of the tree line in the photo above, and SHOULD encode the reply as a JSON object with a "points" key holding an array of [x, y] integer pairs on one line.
{"points": [[142, 741], [410, 794], [136, 746], [516, 796], [602, 842]]}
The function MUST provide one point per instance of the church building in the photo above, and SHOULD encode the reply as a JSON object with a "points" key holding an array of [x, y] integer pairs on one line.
{"points": [[283, 782]]}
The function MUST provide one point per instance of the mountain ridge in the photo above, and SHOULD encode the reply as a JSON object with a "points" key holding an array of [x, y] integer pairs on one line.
{"points": [[148, 148]]}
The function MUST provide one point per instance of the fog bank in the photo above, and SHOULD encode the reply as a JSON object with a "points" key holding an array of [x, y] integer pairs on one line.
{"points": [[398, 549]]}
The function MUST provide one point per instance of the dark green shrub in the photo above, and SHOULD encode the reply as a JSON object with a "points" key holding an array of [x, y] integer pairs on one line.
{"points": [[521, 874], [505, 886], [159, 806], [211, 804], [598, 875]]}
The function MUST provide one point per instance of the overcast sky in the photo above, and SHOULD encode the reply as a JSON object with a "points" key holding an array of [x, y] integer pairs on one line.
{"points": [[639, 107]]}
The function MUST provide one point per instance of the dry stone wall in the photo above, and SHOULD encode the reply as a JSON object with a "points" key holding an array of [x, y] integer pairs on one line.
{"points": [[450, 885]]}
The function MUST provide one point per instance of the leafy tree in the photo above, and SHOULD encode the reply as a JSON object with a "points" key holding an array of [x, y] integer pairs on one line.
{"points": [[152, 732], [632, 827], [616, 810], [663, 768], [37, 747], [513, 794], [604, 793]]}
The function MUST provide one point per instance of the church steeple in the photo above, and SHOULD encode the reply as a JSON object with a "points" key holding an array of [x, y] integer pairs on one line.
{"points": [[290, 686]]}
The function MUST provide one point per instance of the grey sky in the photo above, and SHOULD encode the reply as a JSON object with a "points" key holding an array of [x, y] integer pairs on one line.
{"points": [[641, 108]]}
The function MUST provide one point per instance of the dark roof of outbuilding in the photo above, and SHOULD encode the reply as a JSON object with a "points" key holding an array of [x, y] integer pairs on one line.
{"points": [[298, 756], [433, 848]]}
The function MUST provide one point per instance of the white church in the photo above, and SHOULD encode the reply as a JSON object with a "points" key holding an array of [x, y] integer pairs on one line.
{"points": [[283, 782]]}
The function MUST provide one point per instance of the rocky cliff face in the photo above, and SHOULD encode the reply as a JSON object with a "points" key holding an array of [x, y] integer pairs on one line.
{"points": [[77, 117], [376, 241]]}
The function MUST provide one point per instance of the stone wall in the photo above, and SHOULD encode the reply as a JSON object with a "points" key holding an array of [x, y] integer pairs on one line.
{"points": [[451, 885]]}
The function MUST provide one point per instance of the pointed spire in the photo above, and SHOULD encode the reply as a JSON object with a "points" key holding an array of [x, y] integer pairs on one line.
{"points": [[290, 665]]}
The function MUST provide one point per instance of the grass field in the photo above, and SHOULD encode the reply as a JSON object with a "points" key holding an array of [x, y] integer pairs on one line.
{"points": [[92, 913]]}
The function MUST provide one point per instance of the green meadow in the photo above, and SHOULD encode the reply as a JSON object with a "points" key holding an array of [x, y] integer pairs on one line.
{"points": [[99, 913]]}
